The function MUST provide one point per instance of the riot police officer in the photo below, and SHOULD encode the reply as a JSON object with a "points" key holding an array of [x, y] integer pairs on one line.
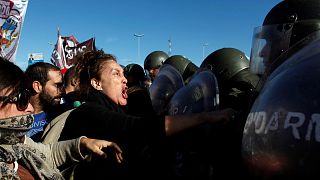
{"points": [[153, 62], [231, 67], [237, 88], [185, 66], [281, 135]]}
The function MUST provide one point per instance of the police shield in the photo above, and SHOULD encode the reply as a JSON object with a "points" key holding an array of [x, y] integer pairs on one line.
{"points": [[167, 82], [201, 94], [281, 136]]}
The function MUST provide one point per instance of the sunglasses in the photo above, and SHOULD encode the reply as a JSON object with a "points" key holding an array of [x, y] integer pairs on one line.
{"points": [[21, 99]]}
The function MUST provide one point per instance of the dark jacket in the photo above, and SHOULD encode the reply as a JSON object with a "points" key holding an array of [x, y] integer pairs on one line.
{"points": [[139, 102]]}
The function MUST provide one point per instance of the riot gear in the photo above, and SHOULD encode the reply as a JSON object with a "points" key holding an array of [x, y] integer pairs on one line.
{"points": [[167, 82], [155, 59], [281, 138], [135, 71], [236, 83], [190, 147], [202, 92], [288, 27], [135, 75], [236, 90], [225, 63], [183, 65]]}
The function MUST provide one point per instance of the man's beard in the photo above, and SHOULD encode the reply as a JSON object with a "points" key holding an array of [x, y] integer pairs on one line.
{"points": [[47, 101]]}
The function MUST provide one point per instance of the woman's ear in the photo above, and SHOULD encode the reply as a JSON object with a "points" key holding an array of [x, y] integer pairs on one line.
{"points": [[96, 84]]}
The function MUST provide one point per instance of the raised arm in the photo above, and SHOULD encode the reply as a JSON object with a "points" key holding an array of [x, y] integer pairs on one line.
{"points": [[74, 150], [177, 123]]}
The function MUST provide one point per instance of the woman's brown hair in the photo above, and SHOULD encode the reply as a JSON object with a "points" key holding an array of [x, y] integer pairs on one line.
{"points": [[89, 65]]}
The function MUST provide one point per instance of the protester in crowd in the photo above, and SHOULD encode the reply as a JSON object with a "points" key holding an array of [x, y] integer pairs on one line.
{"points": [[71, 98], [71, 80], [281, 134], [22, 158], [153, 62], [103, 84], [237, 89], [45, 83]]}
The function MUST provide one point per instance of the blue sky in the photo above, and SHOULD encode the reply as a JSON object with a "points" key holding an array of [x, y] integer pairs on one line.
{"points": [[189, 24]]}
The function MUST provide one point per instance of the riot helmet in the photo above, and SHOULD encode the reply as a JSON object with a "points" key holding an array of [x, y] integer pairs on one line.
{"points": [[153, 62], [225, 63], [134, 74], [183, 65], [289, 26], [155, 59]]}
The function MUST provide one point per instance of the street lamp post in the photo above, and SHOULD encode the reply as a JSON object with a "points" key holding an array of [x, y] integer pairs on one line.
{"points": [[170, 44], [203, 49], [138, 36]]}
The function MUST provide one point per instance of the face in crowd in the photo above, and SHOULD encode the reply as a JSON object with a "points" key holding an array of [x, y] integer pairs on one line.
{"points": [[14, 98], [14, 103], [112, 82], [153, 73], [15, 107], [51, 92]]}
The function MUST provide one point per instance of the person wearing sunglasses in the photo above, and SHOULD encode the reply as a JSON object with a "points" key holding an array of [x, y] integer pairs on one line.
{"points": [[20, 156], [45, 84], [21, 99]]}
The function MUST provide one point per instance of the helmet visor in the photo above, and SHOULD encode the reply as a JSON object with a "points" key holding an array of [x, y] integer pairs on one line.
{"points": [[268, 43]]}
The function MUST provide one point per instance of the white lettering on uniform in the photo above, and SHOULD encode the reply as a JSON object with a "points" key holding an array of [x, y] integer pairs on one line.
{"points": [[248, 122], [315, 119], [300, 120], [260, 122], [273, 123], [294, 120]]}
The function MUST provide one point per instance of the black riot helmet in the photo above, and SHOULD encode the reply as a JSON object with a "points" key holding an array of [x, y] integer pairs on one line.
{"points": [[134, 70], [155, 59], [183, 65], [226, 62], [289, 26]]}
